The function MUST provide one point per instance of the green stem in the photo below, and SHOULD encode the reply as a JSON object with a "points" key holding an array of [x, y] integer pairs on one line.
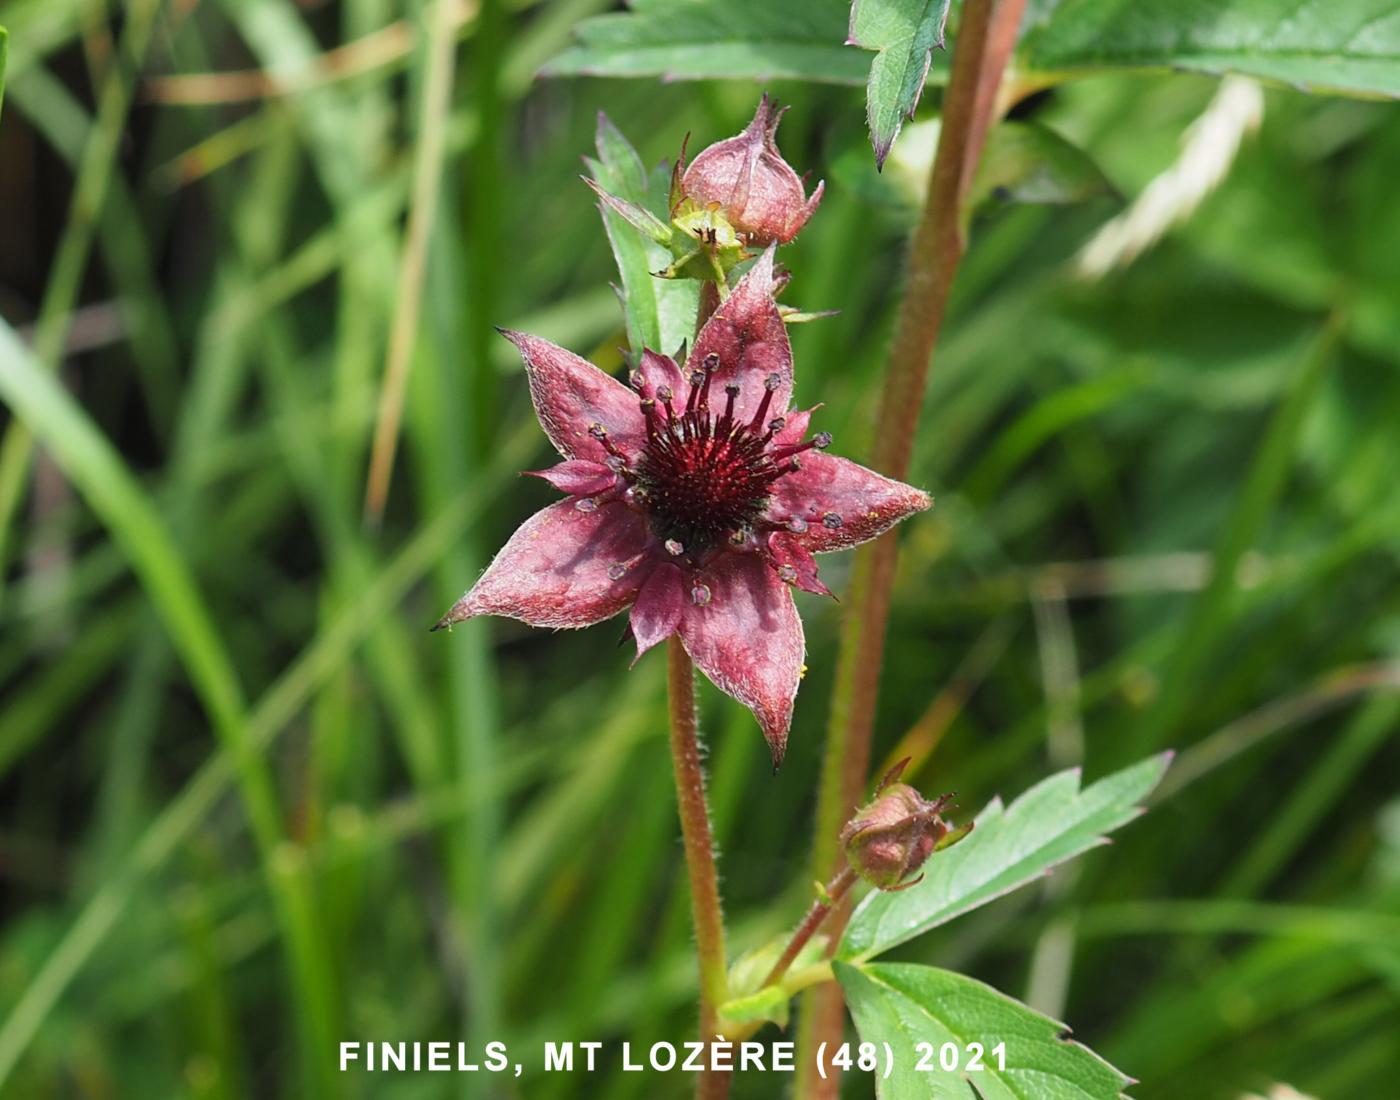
{"points": [[986, 37], [699, 857]]}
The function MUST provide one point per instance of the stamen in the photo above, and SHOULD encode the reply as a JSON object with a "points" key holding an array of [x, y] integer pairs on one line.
{"points": [[638, 379], [695, 377], [787, 574], [831, 521], [586, 504], [665, 394], [797, 525], [617, 572], [821, 441], [674, 547], [731, 394], [700, 594], [770, 384]]}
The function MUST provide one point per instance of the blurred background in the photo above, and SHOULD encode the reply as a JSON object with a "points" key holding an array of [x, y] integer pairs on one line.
{"points": [[250, 807]]}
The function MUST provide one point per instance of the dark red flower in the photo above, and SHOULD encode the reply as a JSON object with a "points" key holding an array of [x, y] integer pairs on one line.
{"points": [[746, 177], [695, 499]]}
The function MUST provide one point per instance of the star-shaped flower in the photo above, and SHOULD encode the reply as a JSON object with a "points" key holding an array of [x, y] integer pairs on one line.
{"points": [[694, 499]]}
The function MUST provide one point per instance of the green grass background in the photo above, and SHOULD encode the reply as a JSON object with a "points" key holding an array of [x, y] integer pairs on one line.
{"points": [[248, 806]]}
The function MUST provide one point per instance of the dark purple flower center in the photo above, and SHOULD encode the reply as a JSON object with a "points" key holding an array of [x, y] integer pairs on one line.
{"points": [[704, 477]]}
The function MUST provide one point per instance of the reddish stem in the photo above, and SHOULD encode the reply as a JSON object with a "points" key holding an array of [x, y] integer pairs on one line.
{"points": [[699, 858], [986, 37], [835, 891]]}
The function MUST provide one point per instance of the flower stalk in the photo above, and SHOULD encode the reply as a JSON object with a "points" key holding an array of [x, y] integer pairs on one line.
{"points": [[698, 839], [986, 37], [829, 897]]}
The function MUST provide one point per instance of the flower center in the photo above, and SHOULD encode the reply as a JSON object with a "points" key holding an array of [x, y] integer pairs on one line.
{"points": [[705, 478]]}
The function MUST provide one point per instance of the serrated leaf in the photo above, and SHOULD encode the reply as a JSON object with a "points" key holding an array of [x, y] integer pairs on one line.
{"points": [[905, 33], [964, 1020], [659, 313], [703, 39], [1050, 823], [1348, 46]]}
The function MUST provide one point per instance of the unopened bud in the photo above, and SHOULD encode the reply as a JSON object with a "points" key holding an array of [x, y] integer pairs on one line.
{"points": [[746, 177], [892, 836]]}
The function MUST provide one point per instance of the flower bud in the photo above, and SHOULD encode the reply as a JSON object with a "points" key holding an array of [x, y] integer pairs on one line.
{"points": [[747, 179], [892, 835]]}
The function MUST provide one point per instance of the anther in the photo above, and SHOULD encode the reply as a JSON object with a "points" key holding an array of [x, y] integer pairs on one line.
{"points": [[773, 381], [821, 441], [711, 363], [831, 521], [598, 432], [797, 525], [586, 504], [787, 574], [638, 379], [700, 595], [674, 548], [617, 572], [696, 378]]}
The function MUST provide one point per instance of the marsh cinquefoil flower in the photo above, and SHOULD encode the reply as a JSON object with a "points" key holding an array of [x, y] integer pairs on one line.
{"points": [[694, 499]]}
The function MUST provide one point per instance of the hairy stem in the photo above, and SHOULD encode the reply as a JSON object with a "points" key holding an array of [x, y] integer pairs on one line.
{"points": [[835, 891], [699, 857], [985, 39]]}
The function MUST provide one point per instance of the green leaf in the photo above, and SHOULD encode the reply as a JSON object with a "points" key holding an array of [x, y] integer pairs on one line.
{"points": [[1348, 46], [749, 999], [1050, 823], [1024, 162], [703, 39], [660, 313], [994, 1044], [4, 54], [90, 461], [905, 33]]}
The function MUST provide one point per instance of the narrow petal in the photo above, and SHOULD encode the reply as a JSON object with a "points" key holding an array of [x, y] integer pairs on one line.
{"points": [[577, 477], [571, 395], [661, 370], [795, 564], [748, 335], [843, 503], [747, 638], [564, 567], [795, 427], [657, 612]]}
